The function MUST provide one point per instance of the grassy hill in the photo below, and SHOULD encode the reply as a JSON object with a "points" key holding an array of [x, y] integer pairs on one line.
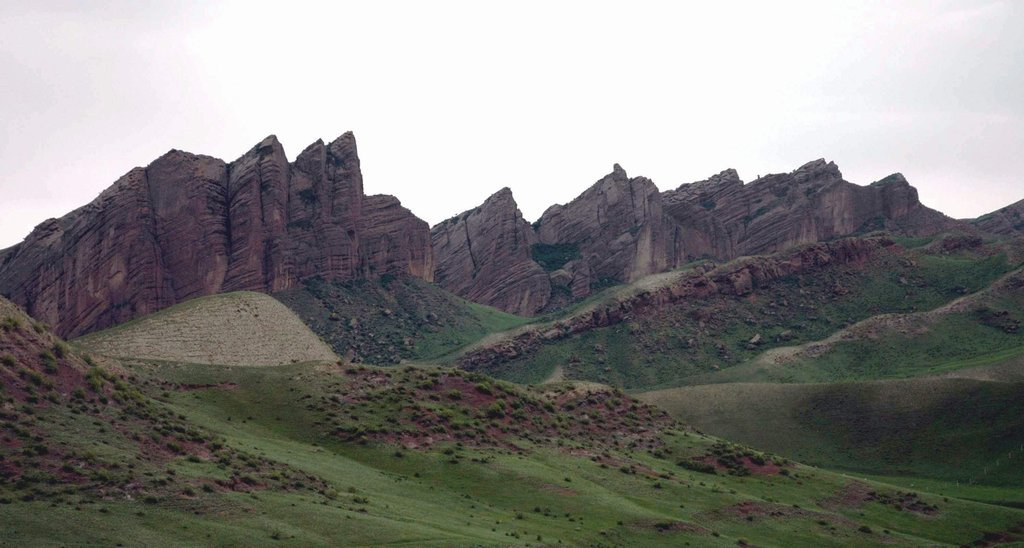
{"points": [[983, 328], [155, 452], [242, 328], [75, 435], [403, 460], [692, 340], [955, 430], [393, 319]]}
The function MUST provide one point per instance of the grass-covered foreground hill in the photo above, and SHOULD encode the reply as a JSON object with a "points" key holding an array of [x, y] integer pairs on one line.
{"points": [[966, 433], [161, 452]]}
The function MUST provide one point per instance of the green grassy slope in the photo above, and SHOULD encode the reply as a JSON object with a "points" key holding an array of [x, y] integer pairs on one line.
{"points": [[394, 319], [954, 430], [75, 433], [539, 478], [984, 328], [687, 342]]}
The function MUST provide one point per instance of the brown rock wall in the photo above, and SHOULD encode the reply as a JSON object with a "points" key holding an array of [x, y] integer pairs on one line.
{"points": [[190, 225]]}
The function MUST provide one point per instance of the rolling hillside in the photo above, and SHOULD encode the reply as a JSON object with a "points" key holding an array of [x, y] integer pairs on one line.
{"points": [[962, 431], [167, 453], [707, 321]]}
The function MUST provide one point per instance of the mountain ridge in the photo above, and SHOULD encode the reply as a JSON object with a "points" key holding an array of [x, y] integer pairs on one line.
{"points": [[190, 225], [621, 229]]}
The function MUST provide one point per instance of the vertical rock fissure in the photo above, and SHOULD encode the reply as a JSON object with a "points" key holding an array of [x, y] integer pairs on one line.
{"points": [[632, 201], [469, 246], [158, 250], [227, 215]]}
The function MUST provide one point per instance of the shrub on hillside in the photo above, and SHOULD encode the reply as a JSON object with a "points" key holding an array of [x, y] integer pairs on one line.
{"points": [[698, 466]]}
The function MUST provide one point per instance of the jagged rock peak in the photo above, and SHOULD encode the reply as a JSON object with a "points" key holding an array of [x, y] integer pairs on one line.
{"points": [[817, 169], [725, 178], [315, 145], [189, 225], [894, 179], [484, 254], [505, 193], [269, 142], [618, 172], [345, 142]]}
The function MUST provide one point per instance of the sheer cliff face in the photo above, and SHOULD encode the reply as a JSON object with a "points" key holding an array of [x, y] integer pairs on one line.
{"points": [[190, 225], [622, 229], [617, 224], [614, 232], [484, 255]]}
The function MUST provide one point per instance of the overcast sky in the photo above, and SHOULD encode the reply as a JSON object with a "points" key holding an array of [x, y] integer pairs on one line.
{"points": [[451, 101]]}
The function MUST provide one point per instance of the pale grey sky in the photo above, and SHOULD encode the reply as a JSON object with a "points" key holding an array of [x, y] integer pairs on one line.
{"points": [[451, 101]]}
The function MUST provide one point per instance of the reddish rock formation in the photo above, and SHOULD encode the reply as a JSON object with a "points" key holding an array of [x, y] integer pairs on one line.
{"points": [[739, 277], [484, 255], [724, 218], [622, 229], [190, 225], [1008, 221], [612, 233], [617, 225]]}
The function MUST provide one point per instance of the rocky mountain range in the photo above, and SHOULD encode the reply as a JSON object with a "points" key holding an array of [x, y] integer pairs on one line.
{"points": [[622, 229], [189, 225]]}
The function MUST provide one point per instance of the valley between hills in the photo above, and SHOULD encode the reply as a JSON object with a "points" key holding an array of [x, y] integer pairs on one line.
{"points": [[256, 352]]}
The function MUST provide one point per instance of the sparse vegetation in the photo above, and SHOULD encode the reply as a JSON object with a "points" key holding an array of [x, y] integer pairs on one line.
{"points": [[385, 323], [551, 257]]}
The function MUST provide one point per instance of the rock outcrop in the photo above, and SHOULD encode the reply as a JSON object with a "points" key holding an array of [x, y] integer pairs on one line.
{"points": [[612, 233], [617, 226], [1008, 221], [724, 218], [738, 278], [622, 229], [190, 225], [484, 255]]}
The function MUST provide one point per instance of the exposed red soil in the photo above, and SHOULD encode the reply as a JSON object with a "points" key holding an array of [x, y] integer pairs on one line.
{"points": [[853, 495], [1012, 535], [769, 468], [856, 494], [503, 416]]}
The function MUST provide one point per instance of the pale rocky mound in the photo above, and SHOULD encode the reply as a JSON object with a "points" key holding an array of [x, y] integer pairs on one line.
{"points": [[241, 328]]}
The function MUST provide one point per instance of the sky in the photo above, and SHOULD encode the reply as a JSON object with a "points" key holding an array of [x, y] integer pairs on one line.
{"points": [[451, 101]]}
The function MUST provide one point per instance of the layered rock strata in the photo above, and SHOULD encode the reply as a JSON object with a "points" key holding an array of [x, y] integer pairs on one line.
{"points": [[485, 256], [190, 225], [622, 229]]}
